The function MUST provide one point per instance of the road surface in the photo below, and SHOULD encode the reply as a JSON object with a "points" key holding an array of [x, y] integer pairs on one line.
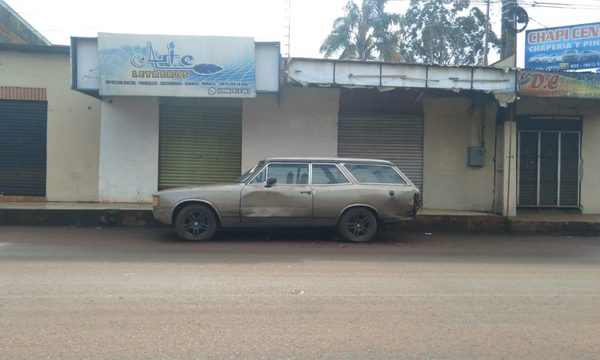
{"points": [[139, 293]]}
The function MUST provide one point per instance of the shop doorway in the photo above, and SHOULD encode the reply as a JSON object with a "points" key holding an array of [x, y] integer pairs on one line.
{"points": [[549, 166], [200, 141], [23, 128], [383, 125]]}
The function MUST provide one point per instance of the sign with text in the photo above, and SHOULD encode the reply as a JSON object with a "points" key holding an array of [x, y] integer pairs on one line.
{"points": [[563, 48], [190, 66], [549, 84]]}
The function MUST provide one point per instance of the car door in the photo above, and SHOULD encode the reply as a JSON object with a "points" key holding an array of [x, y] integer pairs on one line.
{"points": [[287, 202], [332, 192]]}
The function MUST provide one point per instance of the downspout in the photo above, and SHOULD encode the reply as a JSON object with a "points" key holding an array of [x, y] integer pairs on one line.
{"points": [[482, 127], [495, 160], [510, 155]]}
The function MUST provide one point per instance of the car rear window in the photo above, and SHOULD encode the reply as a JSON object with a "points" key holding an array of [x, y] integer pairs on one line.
{"points": [[375, 174], [327, 174]]}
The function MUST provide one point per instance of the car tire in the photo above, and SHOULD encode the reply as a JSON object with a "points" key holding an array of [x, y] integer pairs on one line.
{"points": [[196, 223], [358, 225]]}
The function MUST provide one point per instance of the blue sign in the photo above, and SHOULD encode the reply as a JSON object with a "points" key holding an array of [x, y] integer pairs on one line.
{"points": [[161, 65], [572, 47]]}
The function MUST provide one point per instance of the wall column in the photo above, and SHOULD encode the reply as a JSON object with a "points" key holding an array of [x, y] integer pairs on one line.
{"points": [[509, 188], [128, 149]]}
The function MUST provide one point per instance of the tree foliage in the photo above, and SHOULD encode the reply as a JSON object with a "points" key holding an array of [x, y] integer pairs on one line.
{"points": [[443, 32], [365, 32]]}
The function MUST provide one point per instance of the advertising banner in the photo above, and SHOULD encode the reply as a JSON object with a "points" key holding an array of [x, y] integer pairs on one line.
{"points": [[563, 48], [548, 84], [190, 66]]}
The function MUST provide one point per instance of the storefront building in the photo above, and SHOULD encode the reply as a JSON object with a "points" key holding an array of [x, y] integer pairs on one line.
{"points": [[558, 123], [49, 134], [426, 119], [464, 135]]}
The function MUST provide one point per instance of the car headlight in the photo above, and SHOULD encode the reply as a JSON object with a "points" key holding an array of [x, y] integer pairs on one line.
{"points": [[155, 201]]}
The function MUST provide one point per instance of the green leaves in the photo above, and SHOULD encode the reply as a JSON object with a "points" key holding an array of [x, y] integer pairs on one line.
{"points": [[364, 33], [445, 32]]}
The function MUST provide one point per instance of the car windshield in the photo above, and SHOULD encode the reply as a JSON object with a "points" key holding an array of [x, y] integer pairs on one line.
{"points": [[248, 174]]}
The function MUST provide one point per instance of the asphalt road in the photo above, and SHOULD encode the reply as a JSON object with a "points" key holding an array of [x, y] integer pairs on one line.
{"points": [[139, 293]]}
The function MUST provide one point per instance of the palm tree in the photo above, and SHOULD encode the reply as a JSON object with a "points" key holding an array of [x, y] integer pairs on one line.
{"points": [[363, 33]]}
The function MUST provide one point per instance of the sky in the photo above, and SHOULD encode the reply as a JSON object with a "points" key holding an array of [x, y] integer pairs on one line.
{"points": [[265, 20]]}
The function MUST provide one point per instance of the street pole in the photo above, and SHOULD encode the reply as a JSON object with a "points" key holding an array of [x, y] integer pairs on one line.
{"points": [[509, 32], [487, 32], [509, 49]]}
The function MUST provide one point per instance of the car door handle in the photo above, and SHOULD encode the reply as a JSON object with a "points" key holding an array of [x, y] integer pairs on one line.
{"points": [[309, 192]]}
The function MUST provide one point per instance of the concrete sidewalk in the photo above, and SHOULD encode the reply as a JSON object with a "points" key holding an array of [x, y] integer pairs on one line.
{"points": [[75, 214], [428, 220]]}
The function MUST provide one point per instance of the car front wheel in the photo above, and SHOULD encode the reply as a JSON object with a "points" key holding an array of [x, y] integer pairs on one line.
{"points": [[196, 223], [358, 225]]}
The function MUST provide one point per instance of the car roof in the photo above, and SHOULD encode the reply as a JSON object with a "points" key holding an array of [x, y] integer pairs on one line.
{"points": [[328, 160]]}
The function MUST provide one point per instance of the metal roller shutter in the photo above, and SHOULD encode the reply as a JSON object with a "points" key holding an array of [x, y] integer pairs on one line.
{"points": [[394, 137], [23, 147], [200, 141], [569, 169]]}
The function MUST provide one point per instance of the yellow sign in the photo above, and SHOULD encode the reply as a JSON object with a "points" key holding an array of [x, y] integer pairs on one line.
{"points": [[552, 84]]}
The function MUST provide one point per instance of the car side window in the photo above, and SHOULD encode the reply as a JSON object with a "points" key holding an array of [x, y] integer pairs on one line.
{"points": [[327, 174], [288, 173], [375, 174], [260, 177]]}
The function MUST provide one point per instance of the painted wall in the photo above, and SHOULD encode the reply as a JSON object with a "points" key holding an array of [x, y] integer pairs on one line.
{"points": [[451, 126], [128, 149], [73, 123], [303, 123], [590, 146], [590, 153]]}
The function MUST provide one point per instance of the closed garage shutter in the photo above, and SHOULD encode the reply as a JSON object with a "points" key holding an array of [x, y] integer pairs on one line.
{"points": [[394, 137], [200, 141], [23, 148]]}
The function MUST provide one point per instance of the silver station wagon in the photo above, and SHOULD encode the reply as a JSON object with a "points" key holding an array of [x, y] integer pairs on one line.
{"points": [[354, 195]]}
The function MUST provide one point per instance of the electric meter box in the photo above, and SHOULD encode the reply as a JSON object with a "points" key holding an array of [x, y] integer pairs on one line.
{"points": [[476, 156]]}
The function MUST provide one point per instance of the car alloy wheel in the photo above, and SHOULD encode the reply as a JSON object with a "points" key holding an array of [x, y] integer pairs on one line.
{"points": [[358, 225], [196, 222]]}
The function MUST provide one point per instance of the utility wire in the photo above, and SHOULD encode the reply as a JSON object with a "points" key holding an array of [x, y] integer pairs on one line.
{"points": [[537, 22], [562, 5]]}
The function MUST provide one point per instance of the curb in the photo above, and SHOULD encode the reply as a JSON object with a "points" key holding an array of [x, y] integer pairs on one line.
{"points": [[583, 228], [484, 224], [51, 217]]}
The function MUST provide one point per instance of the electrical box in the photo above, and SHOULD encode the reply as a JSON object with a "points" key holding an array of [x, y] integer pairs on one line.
{"points": [[476, 156]]}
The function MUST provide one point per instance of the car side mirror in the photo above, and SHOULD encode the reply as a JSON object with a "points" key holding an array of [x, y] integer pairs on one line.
{"points": [[271, 181]]}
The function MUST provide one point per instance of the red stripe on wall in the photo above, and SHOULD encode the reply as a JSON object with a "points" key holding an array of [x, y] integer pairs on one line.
{"points": [[22, 93]]}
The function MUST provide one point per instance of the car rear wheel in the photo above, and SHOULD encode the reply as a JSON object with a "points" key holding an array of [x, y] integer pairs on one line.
{"points": [[358, 225], [196, 223]]}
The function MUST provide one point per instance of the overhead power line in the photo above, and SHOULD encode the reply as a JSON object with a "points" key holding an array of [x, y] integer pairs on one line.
{"points": [[537, 22], [562, 5]]}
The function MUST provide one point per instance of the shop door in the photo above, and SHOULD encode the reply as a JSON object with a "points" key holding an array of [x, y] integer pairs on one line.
{"points": [[394, 137], [23, 148], [200, 141], [549, 168]]}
